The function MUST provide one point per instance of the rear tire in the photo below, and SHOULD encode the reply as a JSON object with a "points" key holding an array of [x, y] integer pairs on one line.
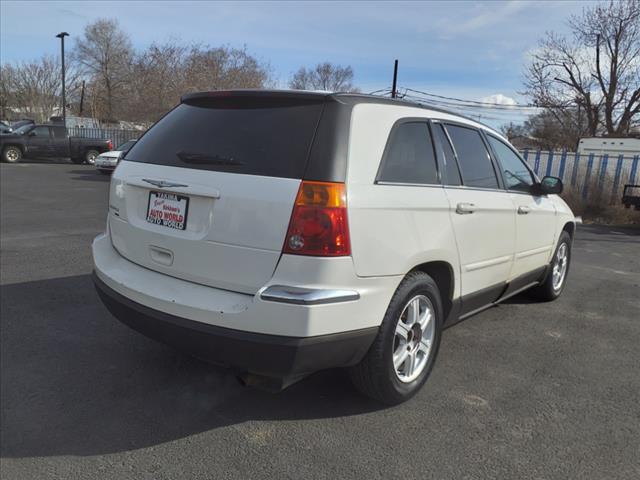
{"points": [[11, 154], [90, 156], [383, 374], [553, 285]]}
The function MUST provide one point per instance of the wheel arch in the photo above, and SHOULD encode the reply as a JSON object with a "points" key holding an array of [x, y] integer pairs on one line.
{"points": [[17, 145], [443, 274], [570, 228]]}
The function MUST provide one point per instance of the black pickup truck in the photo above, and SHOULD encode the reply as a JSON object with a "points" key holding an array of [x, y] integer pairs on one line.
{"points": [[53, 141]]}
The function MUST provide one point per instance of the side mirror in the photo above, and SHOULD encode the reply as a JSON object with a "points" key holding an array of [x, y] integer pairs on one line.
{"points": [[548, 186]]}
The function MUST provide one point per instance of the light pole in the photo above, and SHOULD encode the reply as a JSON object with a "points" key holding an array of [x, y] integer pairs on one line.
{"points": [[61, 36]]}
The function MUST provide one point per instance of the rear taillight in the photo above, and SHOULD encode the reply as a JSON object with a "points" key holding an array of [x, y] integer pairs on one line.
{"points": [[109, 144], [318, 223]]}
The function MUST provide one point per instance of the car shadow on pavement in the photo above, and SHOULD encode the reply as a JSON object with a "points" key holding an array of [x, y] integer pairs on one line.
{"points": [[48, 160], [90, 175], [74, 381]]}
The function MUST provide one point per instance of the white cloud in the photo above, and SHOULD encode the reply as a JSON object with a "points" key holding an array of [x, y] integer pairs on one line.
{"points": [[499, 99], [491, 13]]}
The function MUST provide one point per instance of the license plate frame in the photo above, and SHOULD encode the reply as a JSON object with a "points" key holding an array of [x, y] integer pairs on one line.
{"points": [[167, 217]]}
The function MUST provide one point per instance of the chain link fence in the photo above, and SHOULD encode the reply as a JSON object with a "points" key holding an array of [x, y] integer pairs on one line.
{"points": [[116, 135]]}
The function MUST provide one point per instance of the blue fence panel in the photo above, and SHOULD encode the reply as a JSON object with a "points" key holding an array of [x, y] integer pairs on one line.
{"points": [[587, 178], [563, 162], [634, 170], [536, 163], [549, 163], [616, 178], [607, 176], [604, 160], [574, 174]]}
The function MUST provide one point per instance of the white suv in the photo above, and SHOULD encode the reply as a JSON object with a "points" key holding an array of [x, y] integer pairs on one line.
{"points": [[280, 233]]}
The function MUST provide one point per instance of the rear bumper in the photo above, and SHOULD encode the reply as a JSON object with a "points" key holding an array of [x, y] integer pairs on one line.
{"points": [[327, 298], [269, 355], [106, 163]]}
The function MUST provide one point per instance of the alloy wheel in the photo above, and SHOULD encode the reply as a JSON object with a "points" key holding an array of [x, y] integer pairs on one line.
{"points": [[560, 264], [413, 340]]}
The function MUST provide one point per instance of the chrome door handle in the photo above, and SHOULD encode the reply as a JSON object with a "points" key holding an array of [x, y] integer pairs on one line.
{"points": [[465, 208], [523, 210]]}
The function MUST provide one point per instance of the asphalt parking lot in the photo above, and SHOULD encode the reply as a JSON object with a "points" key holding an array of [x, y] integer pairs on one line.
{"points": [[523, 390]]}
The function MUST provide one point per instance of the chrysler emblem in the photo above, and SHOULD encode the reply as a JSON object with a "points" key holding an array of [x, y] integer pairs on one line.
{"points": [[163, 183]]}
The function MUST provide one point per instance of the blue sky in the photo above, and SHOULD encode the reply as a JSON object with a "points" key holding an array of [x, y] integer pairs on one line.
{"points": [[464, 49]]}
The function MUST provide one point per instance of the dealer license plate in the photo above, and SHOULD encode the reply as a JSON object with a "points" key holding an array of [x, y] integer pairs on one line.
{"points": [[168, 209]]}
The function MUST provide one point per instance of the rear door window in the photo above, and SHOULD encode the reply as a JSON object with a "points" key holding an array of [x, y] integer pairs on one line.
{"points": [[409, 156], [268, 139], [473, 157], [59, 132]]}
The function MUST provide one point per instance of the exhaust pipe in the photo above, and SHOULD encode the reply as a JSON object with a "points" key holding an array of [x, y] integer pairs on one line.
{"points": [[268, 384]]}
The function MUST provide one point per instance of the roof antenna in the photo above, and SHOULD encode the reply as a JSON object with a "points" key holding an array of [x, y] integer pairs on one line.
{"points": [[395, 79]]}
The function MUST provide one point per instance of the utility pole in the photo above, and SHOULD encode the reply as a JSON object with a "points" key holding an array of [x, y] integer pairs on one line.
{"points": [[395, 79], [61, 36], [82, 98]]}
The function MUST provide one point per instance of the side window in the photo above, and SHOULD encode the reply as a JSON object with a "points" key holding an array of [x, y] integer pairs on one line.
{"points": [[473, 158], [59, 132], [409, 156], [450, 168], [516, 175], [41, 131]]}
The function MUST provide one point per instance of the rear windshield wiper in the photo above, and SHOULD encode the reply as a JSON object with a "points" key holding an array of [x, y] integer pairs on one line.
{"points": [[204, 159]]}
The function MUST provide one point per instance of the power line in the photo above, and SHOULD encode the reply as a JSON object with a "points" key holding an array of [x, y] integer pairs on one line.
{"points": [[488, 104], [480, 110], [475, 102], [470, 112], [473, 108], [386, 90]]}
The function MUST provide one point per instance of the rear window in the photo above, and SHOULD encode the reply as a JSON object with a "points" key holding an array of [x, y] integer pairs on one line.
{"points": [[266, 139], [409, 156]]}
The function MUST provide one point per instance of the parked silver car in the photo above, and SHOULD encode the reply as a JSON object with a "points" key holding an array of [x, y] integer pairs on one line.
{"points": [[106, 162]]}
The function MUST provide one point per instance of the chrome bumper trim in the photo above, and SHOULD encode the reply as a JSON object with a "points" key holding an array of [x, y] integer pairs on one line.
{"points": [[307, 296]]}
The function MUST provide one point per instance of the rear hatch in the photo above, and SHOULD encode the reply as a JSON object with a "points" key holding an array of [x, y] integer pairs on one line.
{"points": [[207, 193]]}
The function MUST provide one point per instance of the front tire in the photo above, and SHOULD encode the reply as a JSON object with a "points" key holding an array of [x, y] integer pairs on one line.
{"points": [[556, 280], [11, 154], [90, 156], [403, 354]]}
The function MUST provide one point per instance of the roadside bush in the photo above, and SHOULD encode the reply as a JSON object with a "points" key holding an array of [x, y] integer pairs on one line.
{"points": [[600, 205]]}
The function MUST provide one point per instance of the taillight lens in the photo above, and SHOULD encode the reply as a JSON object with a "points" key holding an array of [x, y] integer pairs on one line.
{"points": [[318, 223], [110, 144]]}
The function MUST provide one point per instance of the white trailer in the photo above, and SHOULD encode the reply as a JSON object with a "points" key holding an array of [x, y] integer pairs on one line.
{"points": [[612, 146]]}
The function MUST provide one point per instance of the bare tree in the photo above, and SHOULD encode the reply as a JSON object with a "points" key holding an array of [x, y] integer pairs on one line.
{"points": [[549, 129], [7, 81], [31, 89], [162, 73], [105, 53], [156, 81], [223, 68], [324, 76], [595, 72]]}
